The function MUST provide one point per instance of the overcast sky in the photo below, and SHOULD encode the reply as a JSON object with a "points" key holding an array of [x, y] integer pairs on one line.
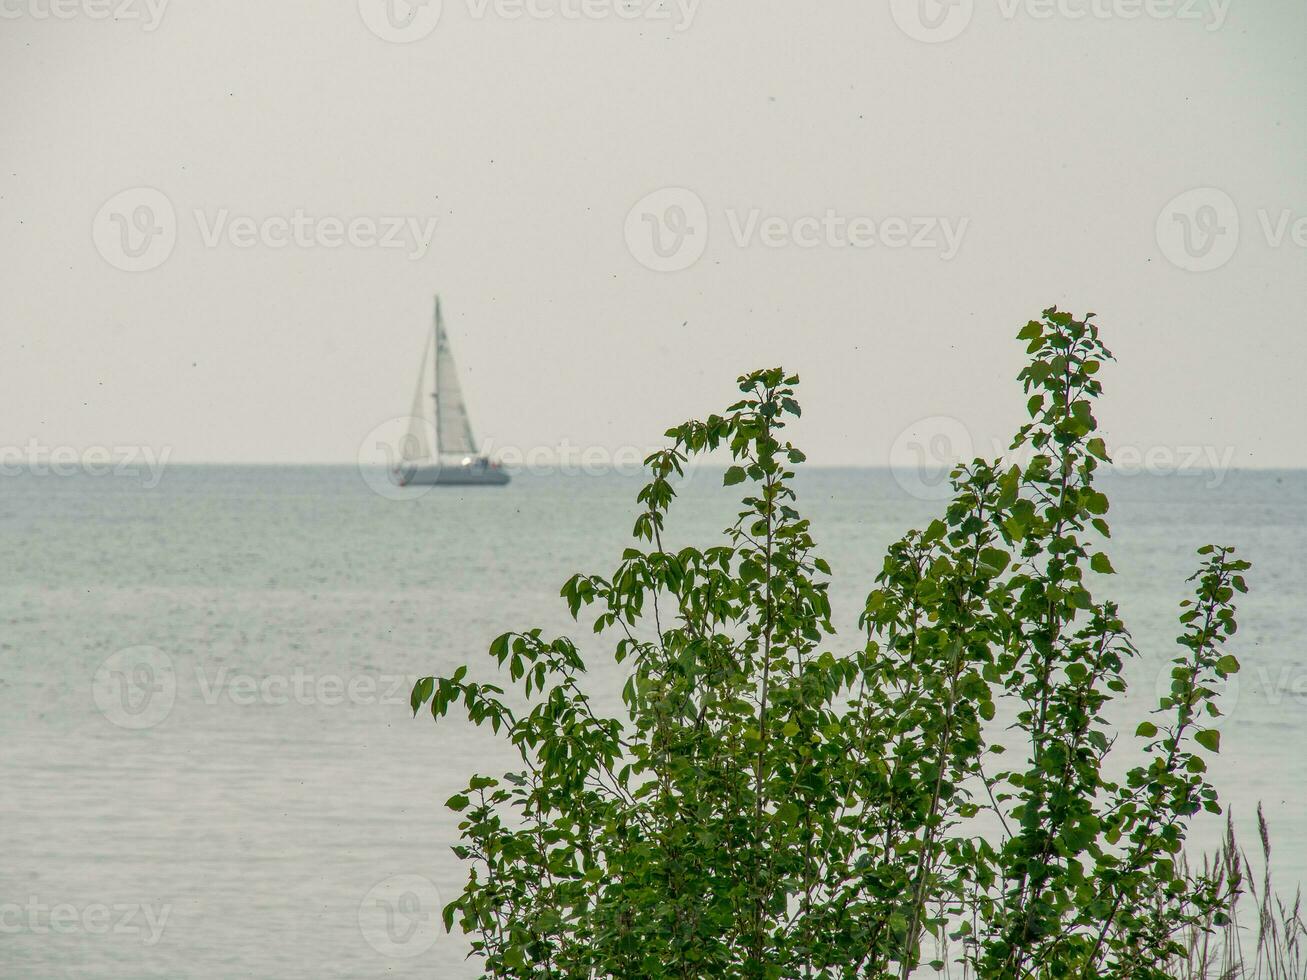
{"points": [[875, 195]]}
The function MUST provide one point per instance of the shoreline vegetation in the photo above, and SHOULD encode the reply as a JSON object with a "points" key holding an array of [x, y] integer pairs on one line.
{"points": [[1264, 936], [1268, 943], [770, 807]]}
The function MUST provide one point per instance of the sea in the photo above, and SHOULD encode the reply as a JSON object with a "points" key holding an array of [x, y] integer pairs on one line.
{"points": [[208, 763]]}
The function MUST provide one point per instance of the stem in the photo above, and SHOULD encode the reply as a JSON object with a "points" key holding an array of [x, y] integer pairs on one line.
{"points": [[928, 842], [1186, 716], [768, 513]]}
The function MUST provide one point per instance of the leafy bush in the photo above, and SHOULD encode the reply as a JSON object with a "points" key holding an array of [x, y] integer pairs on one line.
{"points": [[772, 808]]}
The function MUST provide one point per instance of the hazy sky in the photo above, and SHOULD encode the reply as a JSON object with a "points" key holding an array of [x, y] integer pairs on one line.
{"points": [[1037, 157]]}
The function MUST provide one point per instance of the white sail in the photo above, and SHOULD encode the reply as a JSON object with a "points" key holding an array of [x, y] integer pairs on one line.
{"points": [[453, 429], [424, 445], [416, 446]]}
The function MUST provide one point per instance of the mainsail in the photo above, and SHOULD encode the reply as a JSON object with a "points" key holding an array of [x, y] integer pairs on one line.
{"points": [[416, 446], [453, 429]]}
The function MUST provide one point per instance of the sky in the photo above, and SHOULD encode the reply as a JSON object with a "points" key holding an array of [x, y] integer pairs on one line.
{"points": [[222, 224]]}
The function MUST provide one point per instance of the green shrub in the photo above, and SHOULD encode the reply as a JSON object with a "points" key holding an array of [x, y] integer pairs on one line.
{"points": [[770, 807]]}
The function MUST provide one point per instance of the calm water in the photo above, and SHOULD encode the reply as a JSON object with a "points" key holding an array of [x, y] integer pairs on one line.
{"points": [[208, 764]]}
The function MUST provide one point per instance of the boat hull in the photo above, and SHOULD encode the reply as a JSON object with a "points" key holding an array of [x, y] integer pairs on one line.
{"points": [[452, 475]]}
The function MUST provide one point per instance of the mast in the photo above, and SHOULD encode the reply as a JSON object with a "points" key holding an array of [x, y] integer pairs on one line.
{"points": [[437, 335]]}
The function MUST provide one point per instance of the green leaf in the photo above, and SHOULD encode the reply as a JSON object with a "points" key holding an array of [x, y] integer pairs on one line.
{"points": [[1227, 665], [994, 558], [421, 692], [1146, 729], [1101, 564], [1096, 503], [1015, 528], [1210, 739], [733, 476], [788, 812]]}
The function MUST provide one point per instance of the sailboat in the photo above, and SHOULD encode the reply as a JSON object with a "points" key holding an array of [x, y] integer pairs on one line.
{"points": [[454, 460]]}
